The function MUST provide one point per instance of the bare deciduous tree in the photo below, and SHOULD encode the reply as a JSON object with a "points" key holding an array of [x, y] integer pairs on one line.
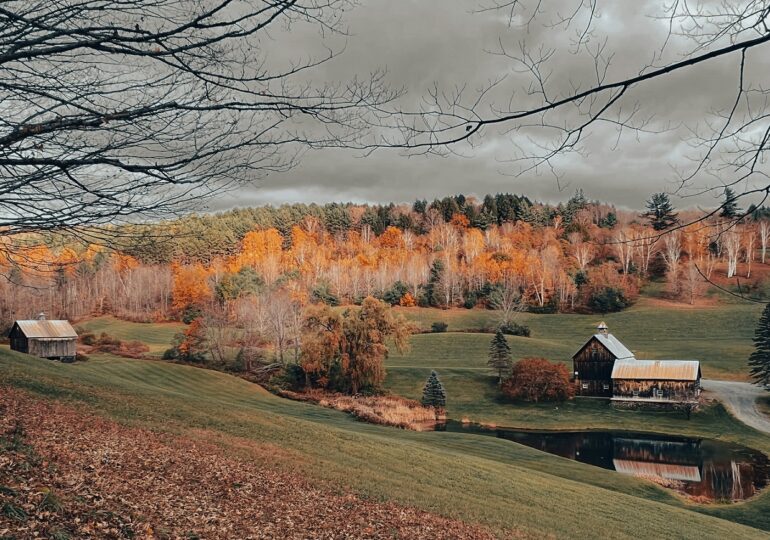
{"points": [[121, 110], [749, 240], [583, 252], [507, 297], [672, 252], [732, 245], [764, 236], [624, 248], [544, 110]]}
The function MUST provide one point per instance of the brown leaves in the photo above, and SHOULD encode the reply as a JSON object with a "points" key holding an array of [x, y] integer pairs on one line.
{"points": [[112, 481]]}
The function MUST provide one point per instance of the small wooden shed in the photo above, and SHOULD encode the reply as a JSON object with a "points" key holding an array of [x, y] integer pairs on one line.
{"points": [[656, 380], [55, 340]]}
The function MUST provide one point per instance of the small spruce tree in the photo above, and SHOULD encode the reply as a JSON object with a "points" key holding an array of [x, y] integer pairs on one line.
{"points": [[759, 361], [660, 212], [730, 208], [434, 395], [500, 355]]}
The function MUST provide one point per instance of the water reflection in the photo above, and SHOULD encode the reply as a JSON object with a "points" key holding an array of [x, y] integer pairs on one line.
{"points": [[702, 468]]}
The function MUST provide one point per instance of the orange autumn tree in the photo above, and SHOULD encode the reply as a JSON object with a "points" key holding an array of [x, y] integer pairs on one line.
{"points": [[124, 263], [263, 251], [191, 289], [407, 300], [391, 238], [192, 342], [346, 351]]}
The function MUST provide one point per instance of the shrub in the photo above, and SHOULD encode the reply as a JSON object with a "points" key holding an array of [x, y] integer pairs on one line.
{"points": [[107, 343], [133, 349], [170, 354], [552, 306], [87, 338], [292, 377], [407, 300], [191, 313], [112, 345], [608, 300], [438, 327], [515, 329], [80, 357], [323, 294], [394, 295], [537, 379]]}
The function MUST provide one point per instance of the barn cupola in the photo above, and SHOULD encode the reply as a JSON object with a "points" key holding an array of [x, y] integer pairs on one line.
{"points": [[602, 328]]}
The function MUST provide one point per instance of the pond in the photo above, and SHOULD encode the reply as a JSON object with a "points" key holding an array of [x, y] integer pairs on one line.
{"points": [[705, 469]]}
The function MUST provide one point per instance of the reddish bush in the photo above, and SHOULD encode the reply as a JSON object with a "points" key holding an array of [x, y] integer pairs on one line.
{"points": [[112, 345], [537, 379]]}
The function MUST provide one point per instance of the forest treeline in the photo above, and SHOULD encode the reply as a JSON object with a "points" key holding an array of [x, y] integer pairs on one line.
{"points": [[503, 252]]}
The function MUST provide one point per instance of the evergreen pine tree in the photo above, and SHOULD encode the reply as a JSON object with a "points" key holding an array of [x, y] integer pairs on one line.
{"points": [[730, 208], [759, 361], [432, 293], [660, 212], [434, 395], [500, 355]]}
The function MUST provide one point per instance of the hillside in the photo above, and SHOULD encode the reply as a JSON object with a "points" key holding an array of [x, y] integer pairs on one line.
{"points": [[501, 485]]}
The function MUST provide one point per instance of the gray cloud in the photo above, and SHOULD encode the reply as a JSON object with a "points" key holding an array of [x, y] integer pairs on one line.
{"points": [[427, 42]]}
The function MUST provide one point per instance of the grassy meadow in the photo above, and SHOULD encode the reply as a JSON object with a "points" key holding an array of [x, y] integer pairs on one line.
{"points": [[478, 479], [157, 336], [719, 335]]}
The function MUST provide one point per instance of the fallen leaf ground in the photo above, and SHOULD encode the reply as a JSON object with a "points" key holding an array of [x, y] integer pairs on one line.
{"points": [[67, 474]]}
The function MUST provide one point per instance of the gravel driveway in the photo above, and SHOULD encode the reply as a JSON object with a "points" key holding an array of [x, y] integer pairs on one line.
{"points": [[740, 398]]}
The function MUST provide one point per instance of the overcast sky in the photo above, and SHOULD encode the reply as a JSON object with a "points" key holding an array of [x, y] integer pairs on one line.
{"points": [[443, 42]]}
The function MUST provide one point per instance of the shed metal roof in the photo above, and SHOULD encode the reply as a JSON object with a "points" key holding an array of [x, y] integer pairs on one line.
{"points": [[44, 329], [672, 370], [669, 471], [612, 344]]}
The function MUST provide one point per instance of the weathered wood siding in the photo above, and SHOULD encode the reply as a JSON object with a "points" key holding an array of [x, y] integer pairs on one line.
{"points": [[18, 340], [592, 368], [52, 348], [656, 389]]}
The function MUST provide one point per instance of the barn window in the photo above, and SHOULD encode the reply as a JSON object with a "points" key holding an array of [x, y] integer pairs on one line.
{"points": [[606, 386], [594, 354], [585, 386]]}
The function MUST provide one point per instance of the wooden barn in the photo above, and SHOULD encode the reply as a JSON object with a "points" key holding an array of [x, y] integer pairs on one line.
{"points": [[604, 367], [55, 340], [594, 361]]}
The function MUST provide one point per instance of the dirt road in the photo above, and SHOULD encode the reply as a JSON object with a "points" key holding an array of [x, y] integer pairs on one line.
{"points": [[740, 398]]}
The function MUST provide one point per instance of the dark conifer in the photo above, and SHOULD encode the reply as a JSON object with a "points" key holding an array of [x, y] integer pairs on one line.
{"points": [[434, 395], [759, 361], [660, 212], [500, 355], [730, 208]]}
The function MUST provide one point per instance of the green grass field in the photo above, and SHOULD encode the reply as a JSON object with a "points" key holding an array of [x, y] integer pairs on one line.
{"points": [[478, 479], [718, 336], [481, 479], [157, 336]]}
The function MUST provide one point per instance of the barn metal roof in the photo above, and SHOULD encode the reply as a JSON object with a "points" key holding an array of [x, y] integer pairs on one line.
{"points": [[669, 471], [44, 329], [613, 345], [672, 370]]}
